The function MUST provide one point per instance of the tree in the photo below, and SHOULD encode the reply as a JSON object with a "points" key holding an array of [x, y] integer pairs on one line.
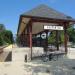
{"points": [[2, 27], [71, 33], [1, 40], [7, 36], [52, 38], [61, 37]]}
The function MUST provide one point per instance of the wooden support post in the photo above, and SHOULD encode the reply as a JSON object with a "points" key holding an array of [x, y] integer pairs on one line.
{"points": [[27, 36], [57, 40], [23, 38], [30, 37], [46, 40], [36, 41], [40, 39], [65, 37]]}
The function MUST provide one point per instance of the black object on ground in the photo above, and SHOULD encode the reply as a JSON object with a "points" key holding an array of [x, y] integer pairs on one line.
{"points": [[25, 58], [50, 57]]}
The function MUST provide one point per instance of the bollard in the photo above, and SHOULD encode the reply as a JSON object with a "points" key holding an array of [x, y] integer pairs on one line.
{"points": [[25, 58]]}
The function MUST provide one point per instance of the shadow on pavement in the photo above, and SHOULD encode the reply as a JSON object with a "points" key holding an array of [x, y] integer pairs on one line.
{"points": [[9, 57]]}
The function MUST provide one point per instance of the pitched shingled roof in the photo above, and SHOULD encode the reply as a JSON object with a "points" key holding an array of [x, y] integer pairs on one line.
{"points": [[46, 12]]}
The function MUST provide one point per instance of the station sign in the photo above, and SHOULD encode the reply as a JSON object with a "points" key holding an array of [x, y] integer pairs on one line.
{"points": [[47, 27]]}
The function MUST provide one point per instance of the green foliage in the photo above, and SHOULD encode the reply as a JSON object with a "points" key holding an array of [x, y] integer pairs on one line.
{"points": [[61, 37], [2, 27], [71, 33], [52, 38], [6, 36], [1, 41]]}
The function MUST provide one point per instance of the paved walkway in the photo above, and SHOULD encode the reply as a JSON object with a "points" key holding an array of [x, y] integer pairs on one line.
{"points": [[63, 66]]}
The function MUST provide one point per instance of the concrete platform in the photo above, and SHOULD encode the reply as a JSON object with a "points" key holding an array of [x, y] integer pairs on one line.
{"points": [[64, 66], [3, 56]]}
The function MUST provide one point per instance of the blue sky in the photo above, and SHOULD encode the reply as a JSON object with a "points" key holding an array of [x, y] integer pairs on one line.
{"points": [[10, 10]]}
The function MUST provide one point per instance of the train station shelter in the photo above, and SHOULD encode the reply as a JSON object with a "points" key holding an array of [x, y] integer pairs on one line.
{"points": [[42, 19]]}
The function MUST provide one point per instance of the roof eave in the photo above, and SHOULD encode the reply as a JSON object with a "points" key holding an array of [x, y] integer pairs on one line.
{"points": [[64, 20]]}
